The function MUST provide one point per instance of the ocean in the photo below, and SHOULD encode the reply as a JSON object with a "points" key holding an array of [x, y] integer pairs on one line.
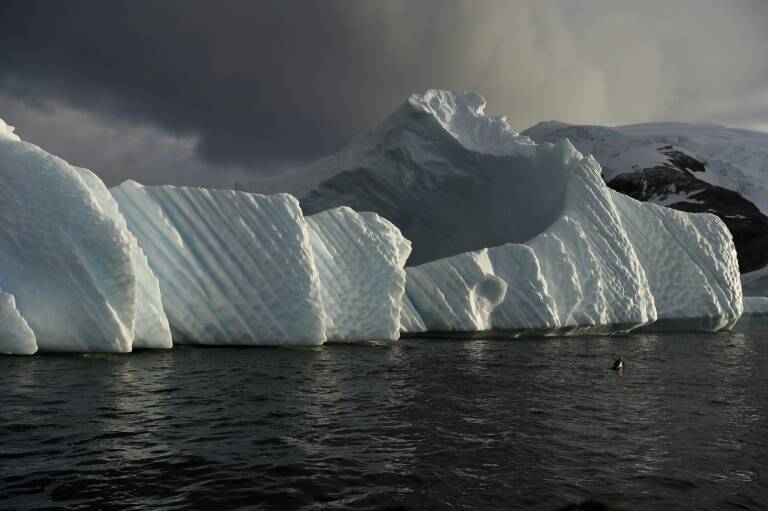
{"points": [[538, 423]]}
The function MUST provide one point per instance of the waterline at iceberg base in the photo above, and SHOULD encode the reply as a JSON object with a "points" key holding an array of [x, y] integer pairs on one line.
{"points": [[503, 235]]}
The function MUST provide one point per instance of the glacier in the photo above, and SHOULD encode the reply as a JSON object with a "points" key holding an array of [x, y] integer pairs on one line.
{"points": [[517, 236]]}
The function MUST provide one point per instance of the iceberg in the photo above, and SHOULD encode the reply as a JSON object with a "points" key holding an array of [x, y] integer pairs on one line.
{"points": [[85, 268], [360, 258], [240, 268], [581, 272], [65, 262], [452, 179], [233, 267], [511, 235], [502, 234]]}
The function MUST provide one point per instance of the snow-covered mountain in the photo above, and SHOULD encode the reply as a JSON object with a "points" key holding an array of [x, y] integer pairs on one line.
{"points": [[688, 167]]}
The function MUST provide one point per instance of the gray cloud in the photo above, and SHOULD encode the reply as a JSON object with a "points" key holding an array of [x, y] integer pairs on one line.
{"points": [[205, 91]]}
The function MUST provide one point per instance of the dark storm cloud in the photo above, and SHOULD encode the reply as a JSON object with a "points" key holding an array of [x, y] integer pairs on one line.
{"points": [[272, 84], [249, 80]]}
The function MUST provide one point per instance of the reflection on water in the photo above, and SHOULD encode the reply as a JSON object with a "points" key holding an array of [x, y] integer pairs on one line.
{"points": [[417, 424]]}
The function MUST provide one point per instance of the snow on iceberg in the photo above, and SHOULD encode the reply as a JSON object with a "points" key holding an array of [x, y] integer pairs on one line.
{"points": [[360, 259], [66, 263], [7, 132], [234, 268], [571, 252]]}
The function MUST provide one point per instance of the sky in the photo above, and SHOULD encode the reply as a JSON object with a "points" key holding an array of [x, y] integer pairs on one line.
{"points": [[208, 93]]}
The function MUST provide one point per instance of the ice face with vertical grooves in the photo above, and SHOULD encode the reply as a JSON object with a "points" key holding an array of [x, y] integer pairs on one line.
{"points": [[16, 338], [151, 329], [233, 267], [66, 263], [360, 259]]}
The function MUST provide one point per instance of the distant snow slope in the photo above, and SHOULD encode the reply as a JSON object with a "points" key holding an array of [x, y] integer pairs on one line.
{"points": [[689, 167]]}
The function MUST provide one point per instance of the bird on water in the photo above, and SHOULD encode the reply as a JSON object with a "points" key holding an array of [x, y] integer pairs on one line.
{"points": [[618, 364]]}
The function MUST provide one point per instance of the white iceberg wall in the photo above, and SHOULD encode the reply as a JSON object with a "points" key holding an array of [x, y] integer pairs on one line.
{"points": [[151, 329], [16, 338], [233, 267], [755, 316], [360, 259], [66, 263], [691, 264], [589, 263]]}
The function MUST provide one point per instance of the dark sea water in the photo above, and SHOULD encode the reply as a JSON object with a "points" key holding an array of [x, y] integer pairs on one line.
{"points": [[414, 424]]}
